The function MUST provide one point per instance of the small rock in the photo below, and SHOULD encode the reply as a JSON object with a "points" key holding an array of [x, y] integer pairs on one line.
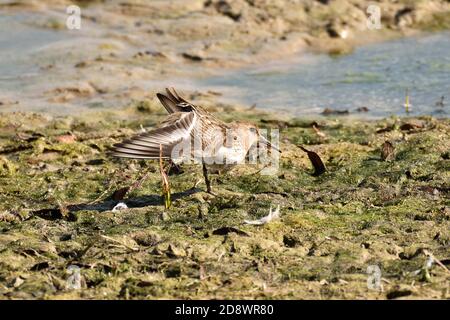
{"points": [[398, 293], [192, 57], [329, 111], [362, 109]]}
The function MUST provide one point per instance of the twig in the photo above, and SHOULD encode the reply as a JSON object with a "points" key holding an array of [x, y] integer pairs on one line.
{"points": [[126, 190], [101, 195], [164, 180], [119, 242], [139, 182], [258, 171], [429, 254]]}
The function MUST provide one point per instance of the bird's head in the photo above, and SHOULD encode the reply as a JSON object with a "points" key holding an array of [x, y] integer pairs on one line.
{"points": [[246, 135]]}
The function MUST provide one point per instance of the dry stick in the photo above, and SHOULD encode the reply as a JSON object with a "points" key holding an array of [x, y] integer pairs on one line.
{"points": [[428, 253], [101, 195], [165, 181], [134, 186], [119, 242], [407, 105], [258, 171], [138, 183]]}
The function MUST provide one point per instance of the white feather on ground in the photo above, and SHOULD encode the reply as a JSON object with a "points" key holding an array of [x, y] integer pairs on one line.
{"points": [[120, 206]]}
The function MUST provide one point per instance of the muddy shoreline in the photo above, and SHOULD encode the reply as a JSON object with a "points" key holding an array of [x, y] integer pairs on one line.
{"points": [[131, 49]]}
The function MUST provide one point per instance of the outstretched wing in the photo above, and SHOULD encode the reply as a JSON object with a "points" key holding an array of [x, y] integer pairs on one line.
{"points": [[178, 127]]}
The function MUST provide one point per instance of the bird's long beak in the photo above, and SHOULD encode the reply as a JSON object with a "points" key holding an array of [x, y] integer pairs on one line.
{"points": [[267, 143]]}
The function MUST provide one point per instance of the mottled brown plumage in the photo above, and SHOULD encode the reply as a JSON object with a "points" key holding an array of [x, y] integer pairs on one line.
{"points": [[191, 133]]}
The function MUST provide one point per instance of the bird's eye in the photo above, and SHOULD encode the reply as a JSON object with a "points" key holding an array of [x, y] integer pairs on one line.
{"points": [[235, 138]]}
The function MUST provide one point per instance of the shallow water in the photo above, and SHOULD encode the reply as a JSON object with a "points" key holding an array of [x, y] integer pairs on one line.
{"points": [[25, 52], [19, 43], [35, 60], [375, 76]]}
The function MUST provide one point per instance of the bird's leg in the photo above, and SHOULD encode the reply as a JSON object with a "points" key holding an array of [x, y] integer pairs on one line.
{"points": [[208, 183]]}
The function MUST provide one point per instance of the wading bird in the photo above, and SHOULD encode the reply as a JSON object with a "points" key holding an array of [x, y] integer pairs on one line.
{"points": [[192, 133]]}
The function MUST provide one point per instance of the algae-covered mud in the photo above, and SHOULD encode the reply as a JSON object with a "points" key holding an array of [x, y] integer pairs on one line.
{"points": [[372, 208]]}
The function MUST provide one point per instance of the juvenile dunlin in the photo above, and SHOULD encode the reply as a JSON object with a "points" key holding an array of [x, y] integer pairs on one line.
{"points": [[192, 133]]}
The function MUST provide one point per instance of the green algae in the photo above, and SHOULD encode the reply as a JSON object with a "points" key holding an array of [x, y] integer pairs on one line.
{"points": [[56, 211]]}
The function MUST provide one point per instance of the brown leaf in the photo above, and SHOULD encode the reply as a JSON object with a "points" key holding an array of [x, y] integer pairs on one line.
{"points": [[317, 163], [407, 127], [385, 129], [174, 169], [387, 151], [120, 193], [411, 125], [226, 230]]}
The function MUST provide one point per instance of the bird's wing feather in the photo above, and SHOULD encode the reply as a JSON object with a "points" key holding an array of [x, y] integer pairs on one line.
{"points": [[177, 128], [173, 102], [185, 121]]}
